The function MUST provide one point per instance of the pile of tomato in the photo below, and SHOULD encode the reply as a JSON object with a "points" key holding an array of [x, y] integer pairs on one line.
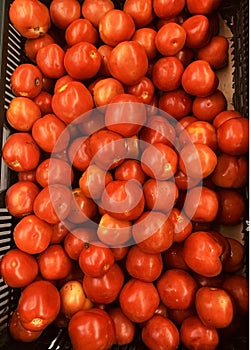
{"points": [[129, 162]]}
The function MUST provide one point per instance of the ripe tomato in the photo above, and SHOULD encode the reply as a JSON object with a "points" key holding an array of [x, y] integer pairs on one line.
{"points": [[236, 260], [194, 334], [32, 235], [17, 150], [182, 225], [18, 269], [124, 328], [105, 51], [215, 52], [93, 11], [138, 300], [237, 287], [39, 305], [50, 60], [91, 330], [207, 108], [30, 18], [78, 153], [140, 11], [82, 60], [75, 241], [146, 37], [185, 55], [64, 12], [82, 208], [105, 90], [173, 257], [197, 30], [206, 8], [214, 306], [225, 116], [168, 9], [31, 46], [59, 231], [177, 103], [232, 207], [116, 26], [43, 101], [170, 39], [128, 62], [159, 332], [19, 333], [167, 73], [199, 79], [143, 90], [130, 169]]}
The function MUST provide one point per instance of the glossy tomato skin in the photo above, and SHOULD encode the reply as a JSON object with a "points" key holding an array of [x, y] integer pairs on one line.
{"points": [[194, 334], [50, 60], [17, 150], [167, 73], [92, 330], [146, 37], [170, 39], [235, 261], [75, 241], [26, 80], [124, 328], [143, 90], [82, 208], [32, 235], [63, 12], [81, 29], [130, 169], [140, 11], [176, 103], [93, 11], [215, 52], [19, 198], [38, 305], [19, 333], [237, 286], [160, 332], [182, 225], [105, 90], [197, 30], [168, 9], [206, 8], [18, 269], [138, 300], [78, 153]]}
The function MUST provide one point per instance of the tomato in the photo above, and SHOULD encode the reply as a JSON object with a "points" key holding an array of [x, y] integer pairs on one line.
{"points": [[53, 203], [160, 195], [27, 176], [224, 116], [82, 208], [215, 52], [72, 101], [31, 46], [43, 101], [39, 305], [64, 12], [237, 287], [18, 269], [168, 9], [81, 29], [159, 161], [138, 300], [194, 334], [19, 333], [233, 136], [232, 207], [236, 260], [177, 103], [128, 62], [75, 241], [167, 73], [153, 232], [159, 332], [197, 30], [107, 149], [82, 60], [17, 150], [144, 266], [170, 39], [130, 169], [93, 11], [230, 171], [173, 257], [116, 26], [91, 330], [31, 18], [207, 108], [114, 232], [54, 263], [206, 8], [197, 160], [50, 60], [105, 51], [146, 37], [32, 235], [105, 90], [120, 252], [59, 231], [214, 307], [199, 79], [182, 226], [140, 11], [124, 328], [143, 90], [185, 55], [202, 253], [73, 298], [78, 153], [106, 288], [47, 132]]}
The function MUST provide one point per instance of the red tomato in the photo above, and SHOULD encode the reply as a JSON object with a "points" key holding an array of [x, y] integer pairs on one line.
{"points": [[26, 80], [202, 253], [64, 12], [128, 62], [130, 169], [140, 11], [18, 269], [182, 225], [82, 208], [78, 153], [31, 18], [185, 55], [159, 332], [93, 11], [75, 241], [91, 330], [17, 150], [54, 263], [120, 252], [153, 232], [225, 116], [207, 108], [138, 300], [43, 101], [199, 79], [50, 60], [144, 266], [19, 333], [82, 60], [197, 30], [116, 26], [59, 231], [176, 103], [27, 175], [19, 198], [214, 307], [105, 90], [173, 257], [168, 8], [72, 101], [81, 29], [177, 289], [105, 51], [237, 287], [206, 8], [232, 207], [32, 235], [167, 73], [235, 262], [38, 305], [104, 289], [146, 37], [143, 90], [124, 328], [194, 334], [215, 52], [170, 39], [50, 133], [31, 46], [233, 136]]}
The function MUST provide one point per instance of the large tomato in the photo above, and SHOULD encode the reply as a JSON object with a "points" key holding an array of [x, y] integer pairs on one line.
{"points": [[50, 60], [64, 12], [167, 73], [141, 11], [197, 30], [170, 39], [124, 328]]}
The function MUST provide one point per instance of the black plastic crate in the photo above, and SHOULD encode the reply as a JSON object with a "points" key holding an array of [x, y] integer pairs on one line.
{"points": [[235, 14]]}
